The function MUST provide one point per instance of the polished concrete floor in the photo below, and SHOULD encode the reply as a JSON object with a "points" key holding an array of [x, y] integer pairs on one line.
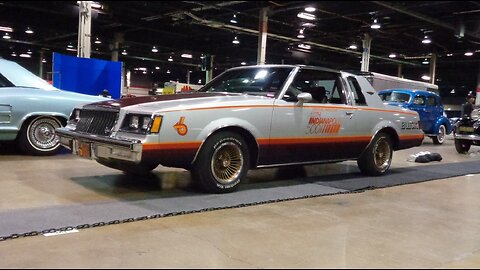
{"points": [[434, 224]]}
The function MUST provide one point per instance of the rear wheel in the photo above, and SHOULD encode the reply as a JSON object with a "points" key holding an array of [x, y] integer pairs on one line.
{"points": [[462, 146], [37, 136], [440, 138], [222, 163], [377, 157]]}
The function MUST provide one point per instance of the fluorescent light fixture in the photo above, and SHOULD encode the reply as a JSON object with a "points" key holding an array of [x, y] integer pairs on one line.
{"points": [[308, 24], [306, 16], [186, 55], [14, 54], [6, 29], [300, 36], [304, 46], [425, 62], [154, 49], [353, 47], [71, 49], [157, 68], [97, 41], [261, 74], [426, 40], [310, 9], [392, 55], [43, 60], [199, 81], [449, 54], [25, 55], [234, 19], [29, 52], [124, 52], [235, 40], [168, 71], [29, 30], [425, 77], [468, 54], [170, 59], [375, 25], [6, 36], [96, 5], [243, 63]]}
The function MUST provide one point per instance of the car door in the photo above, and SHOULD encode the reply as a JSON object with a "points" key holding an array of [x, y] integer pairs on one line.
{"points": [[419, 104], [317, 130]]}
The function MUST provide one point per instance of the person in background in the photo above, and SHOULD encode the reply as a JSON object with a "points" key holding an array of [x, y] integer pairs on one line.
{"points": [[468, 106], [105, 93]]}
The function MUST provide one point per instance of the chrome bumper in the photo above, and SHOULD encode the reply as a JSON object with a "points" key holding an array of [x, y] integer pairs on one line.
{"points": [[96, 147], [472, 137]]}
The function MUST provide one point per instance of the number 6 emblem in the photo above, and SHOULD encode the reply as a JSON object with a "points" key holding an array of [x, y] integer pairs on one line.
{"points": [[181, 128]]}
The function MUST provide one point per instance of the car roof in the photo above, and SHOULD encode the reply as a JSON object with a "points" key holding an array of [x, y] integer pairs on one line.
{"points": [[409, 91]]}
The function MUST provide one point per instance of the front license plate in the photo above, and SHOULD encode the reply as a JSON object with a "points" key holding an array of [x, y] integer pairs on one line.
{"points": [[84, 150], [466, 129]]}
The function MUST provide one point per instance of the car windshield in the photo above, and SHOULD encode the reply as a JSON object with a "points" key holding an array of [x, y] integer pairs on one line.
{"points": [[395, 97], [13, 73], [265, 81]]}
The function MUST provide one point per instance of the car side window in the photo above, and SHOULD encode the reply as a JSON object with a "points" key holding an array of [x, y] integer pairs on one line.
{"points": [[431, 101], [357, 91], [419, 100], [4, 82], [322, 85]]}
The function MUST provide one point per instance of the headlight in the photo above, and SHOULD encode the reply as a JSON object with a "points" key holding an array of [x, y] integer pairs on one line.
{"points": [[138, 123], [133, 123], [146, 122]]}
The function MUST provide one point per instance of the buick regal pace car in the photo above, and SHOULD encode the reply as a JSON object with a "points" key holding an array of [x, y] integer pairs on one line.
{"points": [[31, 109], [247, 117]]}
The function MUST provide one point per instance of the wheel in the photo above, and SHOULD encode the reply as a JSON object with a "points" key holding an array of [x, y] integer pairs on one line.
{"points": [[141, 169], [37, 137], [440, 138], [377, 157], [222, 163], [462, 146]]}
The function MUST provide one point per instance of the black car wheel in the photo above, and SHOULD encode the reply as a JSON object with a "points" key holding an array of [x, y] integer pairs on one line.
{"points": [[462, 146], [377, 157], [222, 163]]}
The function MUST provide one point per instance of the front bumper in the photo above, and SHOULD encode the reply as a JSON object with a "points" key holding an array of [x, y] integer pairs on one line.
{"points": [[100, 147], [470, 137]]}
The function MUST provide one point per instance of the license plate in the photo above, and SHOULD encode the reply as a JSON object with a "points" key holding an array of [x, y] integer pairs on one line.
{"points": [[466, 129], [84, 150]]}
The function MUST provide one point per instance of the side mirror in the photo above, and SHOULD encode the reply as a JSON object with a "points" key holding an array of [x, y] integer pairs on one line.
{"points": [[303, 97]]}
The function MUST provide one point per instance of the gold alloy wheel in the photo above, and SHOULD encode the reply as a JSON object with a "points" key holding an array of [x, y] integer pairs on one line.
{"points": [[382, 154], [227, 163]]}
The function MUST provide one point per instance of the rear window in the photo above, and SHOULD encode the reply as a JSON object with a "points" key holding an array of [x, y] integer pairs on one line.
{"points": [[395, 97]]}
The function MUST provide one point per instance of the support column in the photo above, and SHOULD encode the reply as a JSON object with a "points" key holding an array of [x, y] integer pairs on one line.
{"points": [[433, 67], [209, 72], [262, 36], [399, 71], [366, 42], [40, 70], [115, 46], [84, 29]]}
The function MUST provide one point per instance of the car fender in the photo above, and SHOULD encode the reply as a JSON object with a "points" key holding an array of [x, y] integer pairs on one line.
{"points": [[389, 127], [443, 121]]}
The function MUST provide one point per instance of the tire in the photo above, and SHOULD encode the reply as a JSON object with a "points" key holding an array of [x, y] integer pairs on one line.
{"points": [[462, 146], [140, 169], [377, 157], [440, 138], [222, 163], [37, 136]]}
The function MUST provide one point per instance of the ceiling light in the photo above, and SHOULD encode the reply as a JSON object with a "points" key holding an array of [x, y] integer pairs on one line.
{"points": [[97, 41], [6, 36], [170, 59], [306, 16], [70, 45], [304, 46], [425, 62], [307, 24], [29, 52], [96, 5], [200, 81], [353, 47], [310, 9], [186, 55], [154, 49], [243, 63], [14, 54], [29, 30], [234, 19], [235, 40], [426, 40], [157, 68], [43, 60], [375, 25], [124, 52], [392, 55], [426, 78], [25, 55], [168, 71], [468, 54], [71, 49], [6, 29], [449, 54]]}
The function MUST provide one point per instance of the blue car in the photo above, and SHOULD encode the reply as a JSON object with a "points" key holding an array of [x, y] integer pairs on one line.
{"points": [[428, 105], [31, 109]]}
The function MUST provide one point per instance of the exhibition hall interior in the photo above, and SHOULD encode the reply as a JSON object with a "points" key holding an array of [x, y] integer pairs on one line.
{"points": [[239, 134]]}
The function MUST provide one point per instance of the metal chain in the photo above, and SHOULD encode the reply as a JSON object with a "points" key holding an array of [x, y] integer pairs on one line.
{"points": [[127, 220]]}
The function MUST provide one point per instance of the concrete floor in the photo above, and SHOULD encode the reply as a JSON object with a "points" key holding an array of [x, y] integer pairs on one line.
{"points": [[433, 224]]}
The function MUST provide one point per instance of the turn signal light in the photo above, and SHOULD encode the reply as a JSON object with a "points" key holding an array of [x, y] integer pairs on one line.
{"points": [[157, 122]]}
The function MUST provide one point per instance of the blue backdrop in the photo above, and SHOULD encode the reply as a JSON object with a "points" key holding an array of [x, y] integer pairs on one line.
{"points": [[86, 75]]}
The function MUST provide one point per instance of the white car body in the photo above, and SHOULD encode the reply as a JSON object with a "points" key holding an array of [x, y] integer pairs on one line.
{"points": [[269, 130]]}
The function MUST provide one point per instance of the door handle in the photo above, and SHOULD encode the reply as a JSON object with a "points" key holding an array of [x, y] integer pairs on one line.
{"points": [[350, 114]]}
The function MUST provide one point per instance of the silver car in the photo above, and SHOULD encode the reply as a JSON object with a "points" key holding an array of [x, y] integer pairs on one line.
{"points": [[247, 117], [31, 109]]}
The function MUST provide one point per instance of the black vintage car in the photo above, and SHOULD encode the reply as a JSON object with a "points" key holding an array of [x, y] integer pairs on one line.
{"points": [[467, 132]]}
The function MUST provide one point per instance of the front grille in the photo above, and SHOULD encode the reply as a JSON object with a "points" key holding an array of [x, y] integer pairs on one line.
{"points": [[96, 122]]}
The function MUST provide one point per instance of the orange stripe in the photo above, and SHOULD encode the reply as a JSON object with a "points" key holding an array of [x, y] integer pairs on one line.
{"points": [[167, 146], [289, 106]]}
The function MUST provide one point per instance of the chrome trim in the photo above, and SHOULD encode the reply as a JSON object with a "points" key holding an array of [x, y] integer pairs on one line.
{"points": [[131, 144], [303, 163], [467, 137]]}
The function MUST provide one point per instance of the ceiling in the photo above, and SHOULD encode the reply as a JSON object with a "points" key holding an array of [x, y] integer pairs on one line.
{"points": [[204, 27]]}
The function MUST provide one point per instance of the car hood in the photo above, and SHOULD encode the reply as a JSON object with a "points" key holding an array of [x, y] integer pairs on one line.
{"points": [[30, 92], [180, 101]]}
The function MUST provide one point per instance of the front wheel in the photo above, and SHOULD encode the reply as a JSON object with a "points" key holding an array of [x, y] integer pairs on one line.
{"points": [[222, 163], [377, 157], [440, 138], [462, 146], [37, 136]]}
